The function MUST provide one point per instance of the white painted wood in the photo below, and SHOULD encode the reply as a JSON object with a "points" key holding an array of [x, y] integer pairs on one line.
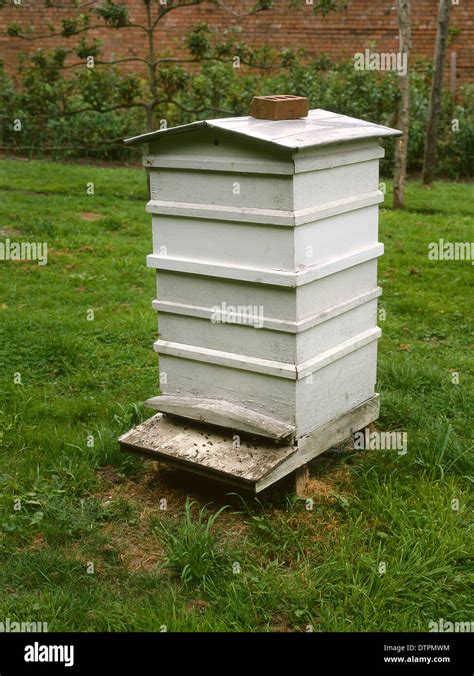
{"points": [[336, 155], [166, 307], [221, 212], [335, 331], [223, 270], [206, 355], [319, 128], [336, 289], [280, 217], [322, 439], [247, 340], [280, 303], [272, 367], [333, 354], [317, 241], [264, 216], [308, 190], [337, 388], [225, 189], [306, 403], [279, 248], [316, 188], [244, 335], [263, 276], [205, 154], [224, 242], [259, 392], [212, 162], [200, 143], [223, 414]]}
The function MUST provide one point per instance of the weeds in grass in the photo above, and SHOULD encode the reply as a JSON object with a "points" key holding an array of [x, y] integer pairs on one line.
{"points": [[192, 551]]}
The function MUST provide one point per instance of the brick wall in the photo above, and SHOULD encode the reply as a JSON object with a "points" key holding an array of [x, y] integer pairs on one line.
{"points": [[341, 35]]}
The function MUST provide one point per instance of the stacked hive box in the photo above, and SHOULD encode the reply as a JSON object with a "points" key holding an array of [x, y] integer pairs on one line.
{"points": [[265, 245]]}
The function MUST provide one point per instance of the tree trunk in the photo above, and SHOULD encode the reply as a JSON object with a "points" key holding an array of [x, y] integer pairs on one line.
{"points": [[403, 112], [151, 67], [436, 90]]}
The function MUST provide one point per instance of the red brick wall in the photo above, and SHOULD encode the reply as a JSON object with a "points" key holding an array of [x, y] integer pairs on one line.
{"points": [[341, 34]]}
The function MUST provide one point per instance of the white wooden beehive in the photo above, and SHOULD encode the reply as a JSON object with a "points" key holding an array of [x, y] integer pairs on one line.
{"points": [[265, 245]]}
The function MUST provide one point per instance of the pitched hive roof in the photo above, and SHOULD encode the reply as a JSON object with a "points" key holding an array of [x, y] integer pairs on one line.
{"points": [[319, 128]]}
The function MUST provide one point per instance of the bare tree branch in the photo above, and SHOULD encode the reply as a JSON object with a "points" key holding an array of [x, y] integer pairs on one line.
{"points": [[200, 110]]}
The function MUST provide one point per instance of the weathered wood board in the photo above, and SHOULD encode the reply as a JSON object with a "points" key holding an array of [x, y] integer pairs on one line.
{"points": [[205, 449], [252, 465], [223, 414], [327, 436]]}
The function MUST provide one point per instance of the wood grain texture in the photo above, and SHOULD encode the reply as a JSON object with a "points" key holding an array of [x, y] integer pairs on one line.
{"points": [[223, 414], [204, 449], [301, 477], [243, 461], [291, 218], [168, 307], [323, 438], [206, 153], [280, 369], [262, 275]]}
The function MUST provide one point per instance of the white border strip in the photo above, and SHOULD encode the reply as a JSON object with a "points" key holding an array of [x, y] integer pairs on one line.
{"points": [[297, 163], [267, 366], [201, 312], [266, 276], [272, 217]]}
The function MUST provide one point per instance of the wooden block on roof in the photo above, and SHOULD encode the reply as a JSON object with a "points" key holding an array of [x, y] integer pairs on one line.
{"points": [[279, 107]]}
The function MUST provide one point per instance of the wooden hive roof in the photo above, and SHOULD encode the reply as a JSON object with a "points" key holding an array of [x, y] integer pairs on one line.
{"points": [[319, 128]]}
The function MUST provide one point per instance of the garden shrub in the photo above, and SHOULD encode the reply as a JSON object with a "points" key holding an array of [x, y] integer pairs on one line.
{"points": [[87, 112]]}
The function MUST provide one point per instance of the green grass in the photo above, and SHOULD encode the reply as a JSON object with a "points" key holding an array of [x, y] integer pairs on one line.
{"points": [[69, 498]]}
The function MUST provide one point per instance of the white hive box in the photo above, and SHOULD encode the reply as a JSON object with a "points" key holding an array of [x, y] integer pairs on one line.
{"points": [[265, 245]]}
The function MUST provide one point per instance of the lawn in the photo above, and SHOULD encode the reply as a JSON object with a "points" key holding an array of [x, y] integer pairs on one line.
{"points": [[92, 539]]}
